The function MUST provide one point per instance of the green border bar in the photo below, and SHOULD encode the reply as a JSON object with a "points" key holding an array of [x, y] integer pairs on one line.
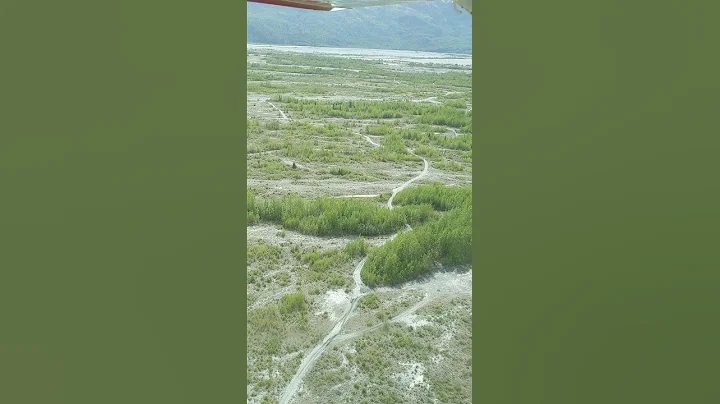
{"points": [[121, 226], [597, 209]]}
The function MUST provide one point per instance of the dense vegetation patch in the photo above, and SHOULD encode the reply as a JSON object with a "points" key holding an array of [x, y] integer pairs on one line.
{"points": [[370, 301], [356, 248], [436, 194], [293, 303], [425, 134], [334, 216], [446, 115], [447, 240]]}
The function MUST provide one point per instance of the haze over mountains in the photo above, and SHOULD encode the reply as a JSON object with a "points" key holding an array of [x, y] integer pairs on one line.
{"points": [[432, 27]]}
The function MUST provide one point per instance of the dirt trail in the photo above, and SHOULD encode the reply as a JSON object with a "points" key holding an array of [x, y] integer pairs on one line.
{"points": [[426, 299], [263, 152], [280, 110], [410, 181], [437, 286], [432, 100], [371, 141], [308, 361]]}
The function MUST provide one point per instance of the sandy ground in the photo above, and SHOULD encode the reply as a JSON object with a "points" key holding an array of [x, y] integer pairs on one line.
{"points": [[374, 54]]}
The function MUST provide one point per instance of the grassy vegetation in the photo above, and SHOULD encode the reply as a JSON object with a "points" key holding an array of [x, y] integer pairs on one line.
{"points": [[274, 168], [253, 215], [264, 261], [393, 149], [447, 165]]}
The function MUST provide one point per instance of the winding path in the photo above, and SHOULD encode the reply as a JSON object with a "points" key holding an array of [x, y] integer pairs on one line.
{"points": [[372, 142], [280, 110], [309, 360], [410, 181], [425, 300]]}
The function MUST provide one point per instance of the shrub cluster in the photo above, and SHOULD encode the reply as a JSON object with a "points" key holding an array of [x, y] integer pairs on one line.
{"points": [[447, 240], [425, 134], [293, 303], [421, 112], [334, 217], [436, 194]]}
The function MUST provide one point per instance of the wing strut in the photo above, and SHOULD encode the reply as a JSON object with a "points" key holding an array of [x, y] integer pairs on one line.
{"points": [[305, 4]]}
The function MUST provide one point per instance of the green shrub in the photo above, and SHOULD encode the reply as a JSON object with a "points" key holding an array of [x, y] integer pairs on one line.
{"points": [[438, 195], [447, 240], [356, 248], [370, 301], [334, 217], [292, 303]]}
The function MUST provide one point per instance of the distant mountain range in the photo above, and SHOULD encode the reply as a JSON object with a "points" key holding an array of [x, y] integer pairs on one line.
{"points": [[432, 27]]}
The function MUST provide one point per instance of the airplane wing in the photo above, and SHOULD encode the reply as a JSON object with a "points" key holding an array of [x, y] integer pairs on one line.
{"points": [[334, 5]]}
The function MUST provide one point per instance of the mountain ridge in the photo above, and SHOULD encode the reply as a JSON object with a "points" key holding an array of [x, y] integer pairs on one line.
{"points": [[430, 27]]}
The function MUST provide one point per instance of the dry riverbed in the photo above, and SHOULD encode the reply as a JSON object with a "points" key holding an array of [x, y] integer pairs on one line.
{"points": [[349, 342]]}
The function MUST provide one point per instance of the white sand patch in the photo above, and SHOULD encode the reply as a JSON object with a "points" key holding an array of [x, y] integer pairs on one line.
{"points": [[413, 376], [414, 321], [269, 234], [336, 302], [358, 196], [285, 357], [446, 338]]}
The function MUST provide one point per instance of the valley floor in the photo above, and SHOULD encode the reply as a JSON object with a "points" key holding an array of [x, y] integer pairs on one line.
{"points": [[342, 125]]}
